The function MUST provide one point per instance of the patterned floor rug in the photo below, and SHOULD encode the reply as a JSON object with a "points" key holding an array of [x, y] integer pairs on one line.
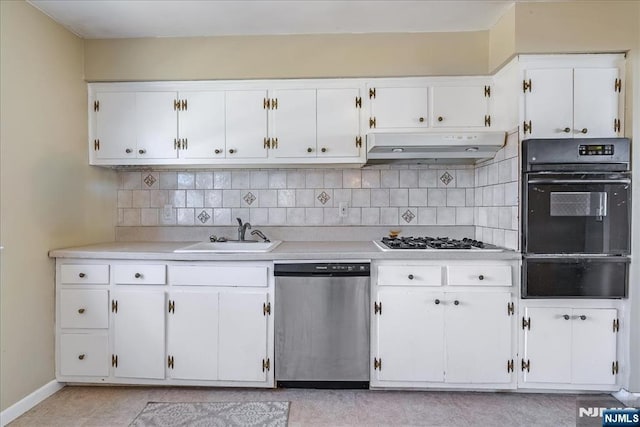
{"points": [[227, 414]]}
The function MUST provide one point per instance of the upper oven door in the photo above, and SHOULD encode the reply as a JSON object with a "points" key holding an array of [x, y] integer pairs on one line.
{"points": [[577, 213]]}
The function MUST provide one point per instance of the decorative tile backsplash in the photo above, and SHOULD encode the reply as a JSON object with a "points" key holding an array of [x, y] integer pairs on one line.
{"points": [[496, 197], [484, 196], [380, 196]]}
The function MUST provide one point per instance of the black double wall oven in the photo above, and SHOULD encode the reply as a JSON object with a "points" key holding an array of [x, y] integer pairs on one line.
{"points": [[576, 218]]}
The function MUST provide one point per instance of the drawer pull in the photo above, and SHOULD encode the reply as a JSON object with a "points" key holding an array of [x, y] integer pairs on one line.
{"points": [[481, 277], [437, 301], [583, 317], [81, 310], [81, 275], [81, 356], [410, 277], [456, 302], [138, 276], [566, 317]]}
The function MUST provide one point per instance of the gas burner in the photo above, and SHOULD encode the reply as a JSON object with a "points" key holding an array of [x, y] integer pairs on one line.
{"points": [[430, 243]]}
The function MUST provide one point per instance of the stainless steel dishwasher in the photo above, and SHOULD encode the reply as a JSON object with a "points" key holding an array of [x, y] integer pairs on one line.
{"points": [[322, 325]]}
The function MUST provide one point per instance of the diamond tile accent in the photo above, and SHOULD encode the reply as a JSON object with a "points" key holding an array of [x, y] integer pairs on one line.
{"points": [[249, 198], [323, 197], [446, 178], [204, 217], [149, 180], [408, 216]]}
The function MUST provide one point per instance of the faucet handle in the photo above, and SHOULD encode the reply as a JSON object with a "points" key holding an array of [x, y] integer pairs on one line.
{"points": [[259, 233], [239, 221]]}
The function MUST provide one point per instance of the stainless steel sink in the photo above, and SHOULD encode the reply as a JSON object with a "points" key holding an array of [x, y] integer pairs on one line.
{"points": [[230, 247]]}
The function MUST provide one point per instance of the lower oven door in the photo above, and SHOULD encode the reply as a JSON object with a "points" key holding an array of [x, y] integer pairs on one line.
{"points": [[577, 213], [575, 277]]}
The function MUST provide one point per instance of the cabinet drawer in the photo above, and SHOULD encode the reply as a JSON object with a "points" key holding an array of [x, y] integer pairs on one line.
{"points": [[485, 275], [219, 276], [93, 274], [84, 355], [410, 275], [84, 308], [140, 274]]}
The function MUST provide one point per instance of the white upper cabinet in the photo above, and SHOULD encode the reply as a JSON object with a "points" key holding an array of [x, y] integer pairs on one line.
{"points": [[399, 107], [595, 101], [246, 124], [573, 96], [201, 125], [258, 123], [338, 122], [460, 106], [293, 114], [114, 126], [156, 125]]}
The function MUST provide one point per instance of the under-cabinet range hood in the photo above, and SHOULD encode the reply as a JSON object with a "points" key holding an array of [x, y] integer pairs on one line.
{"points": [[433, 147]]}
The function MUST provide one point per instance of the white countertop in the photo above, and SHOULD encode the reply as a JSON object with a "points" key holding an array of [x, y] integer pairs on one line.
{"points": [[314, 250]]}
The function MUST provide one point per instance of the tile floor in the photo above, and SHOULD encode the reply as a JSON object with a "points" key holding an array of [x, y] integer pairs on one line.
{"points": [[118, 406]]}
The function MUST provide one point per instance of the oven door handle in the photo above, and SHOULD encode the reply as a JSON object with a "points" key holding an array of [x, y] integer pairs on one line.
{"points": [[578, 181]]}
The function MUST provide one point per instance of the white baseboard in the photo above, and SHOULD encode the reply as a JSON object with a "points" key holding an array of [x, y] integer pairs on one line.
{"points": [[28, 402], [628, 398]]}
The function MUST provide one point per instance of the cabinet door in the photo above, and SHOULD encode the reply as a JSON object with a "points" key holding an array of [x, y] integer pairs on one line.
{"points": [[549, 105], [338, 123], [547, 345], [242, 337], [157, 125], [192, 335], [294, 123], [138, 334], [201, 125], [459, 106], [410, 335], [595, 102], [246, 124], [115, 125], [593, 346], [477, 337], [400, 107]]}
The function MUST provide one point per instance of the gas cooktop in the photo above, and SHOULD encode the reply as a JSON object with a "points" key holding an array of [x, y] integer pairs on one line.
{"points": [[432, 243]]}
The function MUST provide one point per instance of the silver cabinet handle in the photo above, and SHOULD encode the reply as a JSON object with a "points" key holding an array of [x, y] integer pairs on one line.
{"points": [[566, 317], [137, 275]]}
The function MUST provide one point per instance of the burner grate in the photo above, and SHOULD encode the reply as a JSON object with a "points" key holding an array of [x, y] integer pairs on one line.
{"points": [[431, 243]]}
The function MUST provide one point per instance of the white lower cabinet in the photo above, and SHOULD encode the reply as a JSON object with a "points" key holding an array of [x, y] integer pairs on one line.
{"points": [[410, 335], [441, 337], [198, 323], [217, 335], [569, 347], [243, 336], [192, 330], [138, 333]]}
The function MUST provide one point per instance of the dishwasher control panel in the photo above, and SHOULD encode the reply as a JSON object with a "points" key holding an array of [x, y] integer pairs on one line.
{"points": [[324, 269]]}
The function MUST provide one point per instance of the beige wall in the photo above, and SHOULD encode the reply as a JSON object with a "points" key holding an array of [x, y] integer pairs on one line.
{"points": [[49, 196], [578, 26], [502, 40], [293, 56]]}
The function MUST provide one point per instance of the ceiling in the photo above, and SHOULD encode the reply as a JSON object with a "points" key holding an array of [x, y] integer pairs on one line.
{"points": [[105, 19]]}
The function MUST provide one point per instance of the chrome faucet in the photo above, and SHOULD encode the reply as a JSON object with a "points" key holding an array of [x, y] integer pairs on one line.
{"points": [[242, 229]]}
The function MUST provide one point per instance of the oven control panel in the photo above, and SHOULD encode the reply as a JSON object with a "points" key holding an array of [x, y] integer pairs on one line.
{"points": [[596, 150]]}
